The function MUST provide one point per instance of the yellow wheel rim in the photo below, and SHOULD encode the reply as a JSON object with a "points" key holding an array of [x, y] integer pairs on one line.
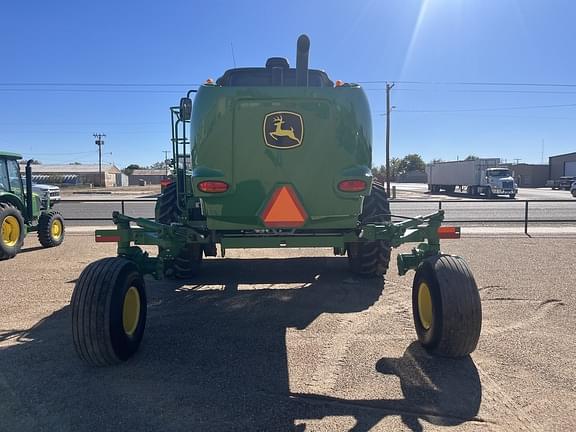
{"points": [[10, 231], [425, 306], [131, 311], [56, 229]]}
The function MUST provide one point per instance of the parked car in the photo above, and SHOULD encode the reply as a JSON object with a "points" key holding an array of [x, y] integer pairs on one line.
{"points": [[45, 192], [573, 189], [565, 182]]}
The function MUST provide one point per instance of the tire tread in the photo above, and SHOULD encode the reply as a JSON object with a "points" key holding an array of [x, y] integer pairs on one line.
{"points": [[45, 229], [460, 309], [91, 310], [372, 258], [12, 211]]}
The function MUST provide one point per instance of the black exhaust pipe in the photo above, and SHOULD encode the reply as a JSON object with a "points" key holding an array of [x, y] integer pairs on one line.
{"points": [[302, 50], [29, 191]]}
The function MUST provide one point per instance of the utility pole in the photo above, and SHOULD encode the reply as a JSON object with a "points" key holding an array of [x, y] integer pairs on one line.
{"points": [[99, 142], [166, 162], [388, 110]]}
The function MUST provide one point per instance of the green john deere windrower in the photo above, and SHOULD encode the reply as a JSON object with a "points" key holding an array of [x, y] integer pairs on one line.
{"points": [[272, 157]]}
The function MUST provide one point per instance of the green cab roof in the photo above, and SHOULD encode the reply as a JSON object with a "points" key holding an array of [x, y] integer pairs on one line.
{"points": [[8, 155]]}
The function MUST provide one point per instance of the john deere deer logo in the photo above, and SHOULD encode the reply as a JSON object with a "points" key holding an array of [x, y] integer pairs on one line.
{"points": [[283, 129]]}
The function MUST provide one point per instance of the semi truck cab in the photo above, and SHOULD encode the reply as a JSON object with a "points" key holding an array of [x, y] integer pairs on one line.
{"points": [[501, 182]]}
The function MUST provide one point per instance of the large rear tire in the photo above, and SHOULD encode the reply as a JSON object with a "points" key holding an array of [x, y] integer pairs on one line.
{"points": [[51, 229], [12, 231], [189, 260], [108, 312], [446, 306], [371, 258]]}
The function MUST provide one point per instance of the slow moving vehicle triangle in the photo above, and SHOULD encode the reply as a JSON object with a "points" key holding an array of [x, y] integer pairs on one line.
{"points": [[284, 209]]}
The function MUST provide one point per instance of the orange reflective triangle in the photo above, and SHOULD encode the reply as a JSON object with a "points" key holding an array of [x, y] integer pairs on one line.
{"points": [[284, 209]]}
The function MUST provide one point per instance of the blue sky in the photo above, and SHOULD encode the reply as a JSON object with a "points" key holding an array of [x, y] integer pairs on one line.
{"points": [[185, 42]]}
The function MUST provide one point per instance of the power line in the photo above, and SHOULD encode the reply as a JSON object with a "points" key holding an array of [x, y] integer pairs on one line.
{"points": [[437, 83], [483, 91], [55, 90], [490, 109], [81, 124], [63, 154], [98, 84], [471, 83]]}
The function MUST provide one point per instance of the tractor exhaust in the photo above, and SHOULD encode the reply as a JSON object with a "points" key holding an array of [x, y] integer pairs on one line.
{"points": [[29, 190], [302, 50]]}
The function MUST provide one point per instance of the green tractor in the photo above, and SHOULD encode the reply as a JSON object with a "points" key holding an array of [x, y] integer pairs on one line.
{"points": [[272, 157], [22, 211]]}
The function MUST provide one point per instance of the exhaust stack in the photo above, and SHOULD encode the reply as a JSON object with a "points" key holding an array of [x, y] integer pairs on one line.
{"points": [[29, 212], [302, 50]]}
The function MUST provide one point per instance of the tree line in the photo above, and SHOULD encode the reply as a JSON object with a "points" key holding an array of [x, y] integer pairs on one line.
{"points": [[411, 162]]}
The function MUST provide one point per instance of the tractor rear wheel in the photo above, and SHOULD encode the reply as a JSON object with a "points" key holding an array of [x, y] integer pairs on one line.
{"points": [[12, 231], [51, 229], [188, 261], [371, 258], [446, 306], [108, 312]]}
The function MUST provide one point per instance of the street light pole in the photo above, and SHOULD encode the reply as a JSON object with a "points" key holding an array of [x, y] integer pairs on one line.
{"points": [[99, 142], [388, 110]]}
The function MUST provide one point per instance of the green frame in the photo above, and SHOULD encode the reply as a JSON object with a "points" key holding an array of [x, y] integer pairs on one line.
{"points": [[173, 238]]}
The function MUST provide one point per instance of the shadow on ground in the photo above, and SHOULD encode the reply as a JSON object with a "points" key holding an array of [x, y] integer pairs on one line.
{"points": [[214, 358]]}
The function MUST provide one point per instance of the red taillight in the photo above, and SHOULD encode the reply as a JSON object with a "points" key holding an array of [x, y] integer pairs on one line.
{"points": [[213, 186], [165, 182], [352, 185]]}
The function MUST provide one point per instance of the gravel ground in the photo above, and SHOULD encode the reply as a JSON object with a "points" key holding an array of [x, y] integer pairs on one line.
{"points": [[259, 343]]}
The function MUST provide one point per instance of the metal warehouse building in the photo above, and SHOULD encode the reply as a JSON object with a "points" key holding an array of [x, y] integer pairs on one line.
{"points": [[74, 174], [562, 165], [146, 176], [529, 175]]}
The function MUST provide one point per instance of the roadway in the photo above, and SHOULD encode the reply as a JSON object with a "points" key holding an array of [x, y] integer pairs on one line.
{"points": [[411, 200]]}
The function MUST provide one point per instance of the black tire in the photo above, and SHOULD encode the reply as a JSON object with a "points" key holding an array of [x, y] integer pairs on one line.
{"points": [[512, 196], [51, 229], [187, 263], [371, 258], [488, 193], [12, 231], [107, 321], [166, 210], [451, 325], [189, 260]]}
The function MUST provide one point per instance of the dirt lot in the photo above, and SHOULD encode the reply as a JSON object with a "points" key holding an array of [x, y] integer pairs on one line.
{"points": [[259, 343]]}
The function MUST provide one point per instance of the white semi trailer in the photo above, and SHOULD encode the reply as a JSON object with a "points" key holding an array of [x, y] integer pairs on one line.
{"points": [[479, 176]]}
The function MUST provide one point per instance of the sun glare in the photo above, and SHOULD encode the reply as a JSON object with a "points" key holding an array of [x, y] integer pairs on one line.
{"points": [[417, 27], [427, 10]]}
